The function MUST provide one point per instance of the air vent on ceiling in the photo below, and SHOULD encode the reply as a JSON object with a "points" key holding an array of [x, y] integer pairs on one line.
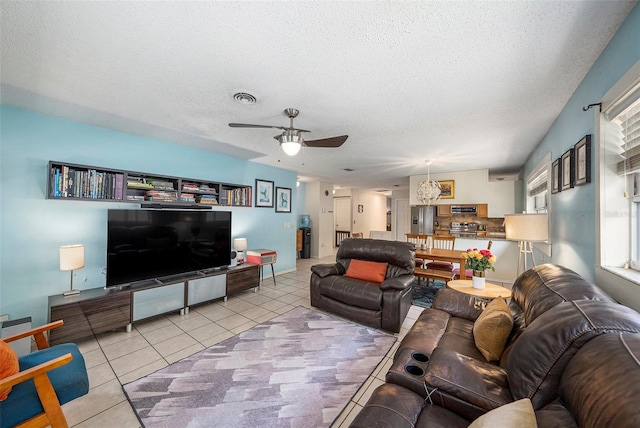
{"points": [[244, 98]]}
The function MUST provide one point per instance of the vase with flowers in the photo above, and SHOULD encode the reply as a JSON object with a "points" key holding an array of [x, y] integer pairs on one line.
{"points": [[479, 261]]}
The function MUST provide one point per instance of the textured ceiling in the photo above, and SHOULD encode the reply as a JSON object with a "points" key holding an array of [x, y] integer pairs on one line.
{"points": [[468, 84]]}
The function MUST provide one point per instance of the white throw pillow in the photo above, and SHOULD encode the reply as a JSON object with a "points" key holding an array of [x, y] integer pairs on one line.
{"points": [[518, 414]]}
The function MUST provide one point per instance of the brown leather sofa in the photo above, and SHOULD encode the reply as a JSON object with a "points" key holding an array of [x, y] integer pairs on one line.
{"points": [[573, 351], [383, 305]]}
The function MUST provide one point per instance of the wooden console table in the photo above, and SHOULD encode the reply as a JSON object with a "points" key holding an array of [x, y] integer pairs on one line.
{"points": [[88, 313], [242, 277]]}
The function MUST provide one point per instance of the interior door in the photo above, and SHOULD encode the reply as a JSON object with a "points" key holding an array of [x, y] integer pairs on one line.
{"points": [[342, 213], [403, 219]]}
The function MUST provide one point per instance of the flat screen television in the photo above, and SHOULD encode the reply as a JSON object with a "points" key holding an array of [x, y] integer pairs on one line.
{"points": [[152, 244]]}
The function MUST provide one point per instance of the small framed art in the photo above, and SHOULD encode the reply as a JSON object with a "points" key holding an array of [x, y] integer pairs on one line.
{"points": [[568, 170], [556, 174], [582, 154], [264, 193], [447, 189], [283, 200]]}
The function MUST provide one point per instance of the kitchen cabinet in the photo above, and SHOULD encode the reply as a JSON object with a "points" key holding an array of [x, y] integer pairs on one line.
{"points": [[443, 210], [483, 210]]}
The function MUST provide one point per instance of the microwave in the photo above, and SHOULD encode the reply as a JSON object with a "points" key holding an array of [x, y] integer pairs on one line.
{"points": [[464, 209]]}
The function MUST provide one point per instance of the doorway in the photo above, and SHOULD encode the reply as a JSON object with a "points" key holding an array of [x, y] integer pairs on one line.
{"points": [[403, 219], [342, 217]]}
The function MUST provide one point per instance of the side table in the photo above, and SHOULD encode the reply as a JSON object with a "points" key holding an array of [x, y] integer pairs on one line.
{"points": [[263, 257], [490, 290]]}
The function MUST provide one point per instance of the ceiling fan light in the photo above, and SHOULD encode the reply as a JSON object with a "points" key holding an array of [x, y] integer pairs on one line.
{"points": [[290, 143], [291, 148]]}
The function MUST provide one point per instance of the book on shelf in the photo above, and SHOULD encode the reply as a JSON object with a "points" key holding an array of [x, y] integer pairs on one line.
{"points": [[71, 182], [187, 197], [161, 195], [207, 199]]}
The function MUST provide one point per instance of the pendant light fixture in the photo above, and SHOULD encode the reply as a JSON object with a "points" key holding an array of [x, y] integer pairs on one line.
{"points": [[429, 191]]}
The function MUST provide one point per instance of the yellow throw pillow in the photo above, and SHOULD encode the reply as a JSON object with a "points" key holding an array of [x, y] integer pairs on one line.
{"points": [[492, 328], [8, 365], [517, 414]]}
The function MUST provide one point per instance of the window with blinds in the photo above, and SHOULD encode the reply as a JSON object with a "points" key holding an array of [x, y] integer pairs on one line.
{"points": [[629, 124], [538, 185]]}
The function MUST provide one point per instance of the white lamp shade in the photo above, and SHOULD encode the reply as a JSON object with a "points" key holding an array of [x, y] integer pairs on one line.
{"points": [[291, 149], [290, 142], [526, 227], [240, 244], [71, 257]]}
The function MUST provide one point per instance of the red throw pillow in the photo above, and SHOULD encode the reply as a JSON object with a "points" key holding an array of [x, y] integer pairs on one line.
{"points": [[367, 271], [8, 365]]}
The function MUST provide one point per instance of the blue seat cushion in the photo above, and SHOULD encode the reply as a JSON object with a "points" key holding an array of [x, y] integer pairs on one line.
{"points": [[70, 381]]}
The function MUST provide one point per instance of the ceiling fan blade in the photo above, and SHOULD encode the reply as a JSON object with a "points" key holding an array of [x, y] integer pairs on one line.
{"points": [[327, 142], [249, 125]]}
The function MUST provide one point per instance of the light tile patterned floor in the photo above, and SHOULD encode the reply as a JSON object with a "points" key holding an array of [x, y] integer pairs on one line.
{"points": [[117, 358]]}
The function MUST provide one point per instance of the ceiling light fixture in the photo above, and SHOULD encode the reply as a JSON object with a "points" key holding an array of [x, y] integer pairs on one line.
{"points": [[291, 142], [428, 191]]}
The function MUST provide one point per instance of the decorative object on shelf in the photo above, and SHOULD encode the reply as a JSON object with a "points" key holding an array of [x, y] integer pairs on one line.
{"points": [[526, 228], [71, 258], [240, 245], [568, 171], [264, 193], [582, 154], [429, 191], [478, 261], [283, 200], [556, 174]]}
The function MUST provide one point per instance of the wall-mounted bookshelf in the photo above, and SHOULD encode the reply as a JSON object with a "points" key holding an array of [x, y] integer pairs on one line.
{"points": [[89, 183]]}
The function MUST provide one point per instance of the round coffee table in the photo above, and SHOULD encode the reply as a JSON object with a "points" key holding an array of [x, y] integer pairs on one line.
{"points": [[490, 290]]}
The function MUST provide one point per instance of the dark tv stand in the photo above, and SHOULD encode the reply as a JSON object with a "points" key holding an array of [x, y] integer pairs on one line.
{"points": [[99, 310]]}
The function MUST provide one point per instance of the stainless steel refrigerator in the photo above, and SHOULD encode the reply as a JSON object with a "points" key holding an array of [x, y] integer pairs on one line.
{"points": [[422, 218]]}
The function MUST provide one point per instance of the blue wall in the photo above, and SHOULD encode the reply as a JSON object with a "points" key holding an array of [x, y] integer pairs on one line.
{"points": [[573, 211], [32, 227]]}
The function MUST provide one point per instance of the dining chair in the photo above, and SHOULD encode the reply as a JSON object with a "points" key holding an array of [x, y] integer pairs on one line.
{"points": [[418, 240], [442, 243]]}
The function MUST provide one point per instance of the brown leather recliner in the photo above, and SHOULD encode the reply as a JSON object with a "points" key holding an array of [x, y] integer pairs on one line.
{"points": [[384, 305]]}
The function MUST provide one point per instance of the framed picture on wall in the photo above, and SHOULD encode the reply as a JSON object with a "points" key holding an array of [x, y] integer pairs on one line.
{"points": [[556, 174], [582, 154], [568, 170], [447, 188], [283, 200], [264, 193]]}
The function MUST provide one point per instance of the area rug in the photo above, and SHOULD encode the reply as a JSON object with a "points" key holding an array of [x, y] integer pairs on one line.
{"points": [[299, 369], [424, 293]]}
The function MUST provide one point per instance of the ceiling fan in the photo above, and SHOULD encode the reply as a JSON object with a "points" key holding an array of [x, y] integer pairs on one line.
{"points": [[290, 140]]}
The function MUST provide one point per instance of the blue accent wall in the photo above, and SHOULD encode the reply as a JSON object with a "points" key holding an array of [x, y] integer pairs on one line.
{"points": [[33, 227], [573, 219]]}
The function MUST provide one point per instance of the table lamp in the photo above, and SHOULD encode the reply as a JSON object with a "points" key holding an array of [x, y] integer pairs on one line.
{"points": [[240, 245], [526, 228], [71, 258]]}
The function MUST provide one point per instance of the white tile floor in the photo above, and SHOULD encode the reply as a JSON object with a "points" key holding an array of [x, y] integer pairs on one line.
{"points": [[116, 358]]}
